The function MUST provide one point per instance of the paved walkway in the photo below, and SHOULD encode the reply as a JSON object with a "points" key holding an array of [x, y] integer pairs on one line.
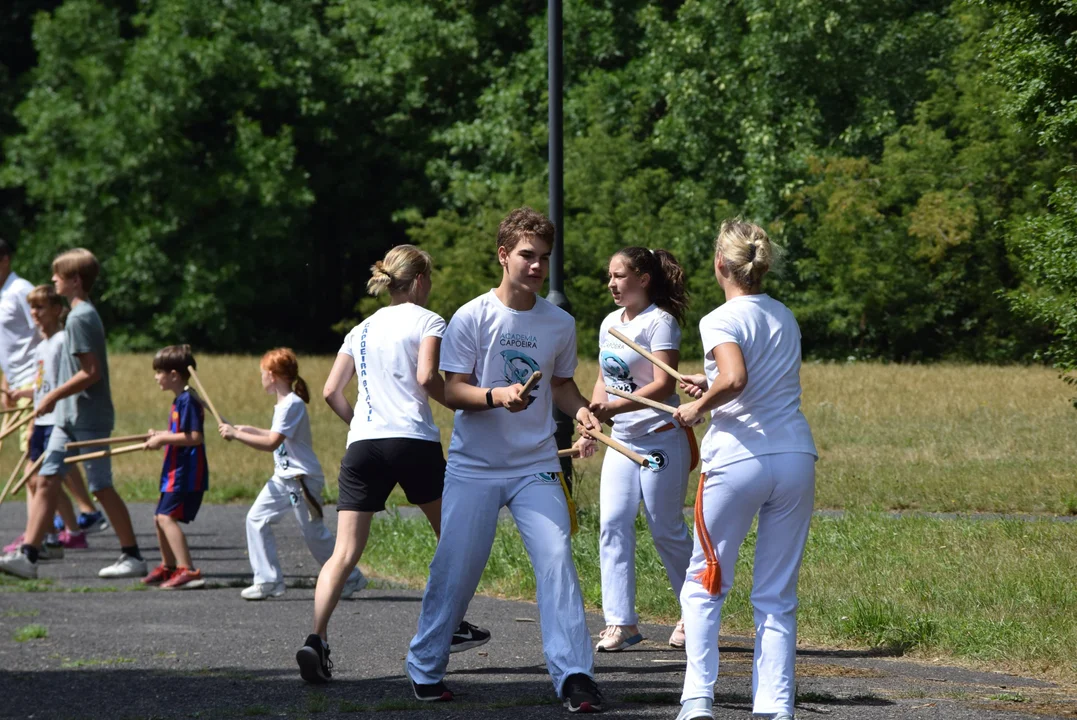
{"points": [[114, 650]]}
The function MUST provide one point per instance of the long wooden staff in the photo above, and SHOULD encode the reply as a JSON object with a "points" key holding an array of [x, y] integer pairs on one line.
{"points": [[16, 425], [646, 353], [531, 383], [107, 441], [204, 394], [18, 466], [641, 400], [29, 473], [614, 445], [105, 453]]}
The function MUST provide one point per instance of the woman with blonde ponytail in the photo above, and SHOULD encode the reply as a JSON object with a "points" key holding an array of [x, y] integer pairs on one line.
{"points": [[392, 437], [297, 482], [758, 458]]}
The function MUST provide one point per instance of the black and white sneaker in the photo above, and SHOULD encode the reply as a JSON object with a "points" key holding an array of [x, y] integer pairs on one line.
{"points": [[580, 694], [435, 692], [468, 636], [314, 663]]}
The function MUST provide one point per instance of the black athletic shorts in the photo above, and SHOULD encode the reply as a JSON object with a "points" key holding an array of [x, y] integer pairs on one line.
{"points": [[372, 468]]}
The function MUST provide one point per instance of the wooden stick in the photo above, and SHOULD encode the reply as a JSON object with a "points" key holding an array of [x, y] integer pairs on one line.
{"points": [[641, 400], [107, 441], [15, 426], [614, 445], [647, 354], [569, 453], [204, 394], [105, 453], [29, 473], [531, 383], [15, 409], [18, 466]]}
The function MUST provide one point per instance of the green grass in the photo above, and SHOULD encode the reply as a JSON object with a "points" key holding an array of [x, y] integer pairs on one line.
{"points": [[939, 438], [30, 632], [1002, 593]]}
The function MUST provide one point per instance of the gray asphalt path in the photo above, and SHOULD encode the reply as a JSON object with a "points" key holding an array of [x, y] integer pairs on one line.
{"points": [[114, 650]]}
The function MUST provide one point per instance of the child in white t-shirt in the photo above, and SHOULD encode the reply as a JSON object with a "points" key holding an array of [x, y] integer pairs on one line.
{"points": [[648, 287], [47, 311], [758, 458], [392, 438], [297, 482], [503, 454]]}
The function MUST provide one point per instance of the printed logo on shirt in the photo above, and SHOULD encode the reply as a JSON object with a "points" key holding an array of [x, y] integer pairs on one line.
{"points": [[281, 457], [616, 371], [660, 459], [519, 340], [362, 374], [518, 368]]}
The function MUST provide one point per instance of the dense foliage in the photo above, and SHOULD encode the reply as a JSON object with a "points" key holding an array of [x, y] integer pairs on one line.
{"points": [[239, 165]]}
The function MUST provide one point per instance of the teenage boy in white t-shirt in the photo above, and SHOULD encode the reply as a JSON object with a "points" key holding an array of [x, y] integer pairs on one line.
{"points": [[503, 453]]}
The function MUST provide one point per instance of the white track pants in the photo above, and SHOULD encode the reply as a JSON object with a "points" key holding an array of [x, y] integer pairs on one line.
{"points": [[469, 508], [624, 484], [781, 488], [278, 499]]}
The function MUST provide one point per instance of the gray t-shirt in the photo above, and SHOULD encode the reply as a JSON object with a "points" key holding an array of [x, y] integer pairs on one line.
{"points": [[90, 409]]}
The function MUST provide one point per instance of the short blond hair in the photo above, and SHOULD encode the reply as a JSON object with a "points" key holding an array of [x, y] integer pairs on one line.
{"points": [[399, 270], [81, 262], [747, 250]]}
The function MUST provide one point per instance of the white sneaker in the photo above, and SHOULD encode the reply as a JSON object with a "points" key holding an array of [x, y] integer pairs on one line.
{"points": [[676, 638], [261, 591], [615, 638], [354, 585], [696, 708], [15, 563], [125, 567]]}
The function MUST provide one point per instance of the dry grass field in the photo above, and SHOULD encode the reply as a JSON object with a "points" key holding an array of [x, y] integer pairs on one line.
{"points": [[938, 438]]}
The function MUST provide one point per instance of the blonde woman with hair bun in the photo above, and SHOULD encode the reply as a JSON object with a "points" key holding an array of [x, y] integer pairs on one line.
{"points": [[392, 437], [758, 457]]}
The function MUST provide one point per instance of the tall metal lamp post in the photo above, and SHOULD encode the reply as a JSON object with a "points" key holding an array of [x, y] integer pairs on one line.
{"points": [[565, 424]]}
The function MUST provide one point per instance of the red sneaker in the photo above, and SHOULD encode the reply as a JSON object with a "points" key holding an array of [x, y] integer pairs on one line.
{"points": [[184, 579], [73, 541], [159, 574]]}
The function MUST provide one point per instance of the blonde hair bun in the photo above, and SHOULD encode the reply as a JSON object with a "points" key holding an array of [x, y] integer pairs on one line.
{"points": [[398, 270], [747, 249]]}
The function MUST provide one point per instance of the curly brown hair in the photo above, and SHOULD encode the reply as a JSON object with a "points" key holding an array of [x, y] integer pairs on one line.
{"points": [[524, 222]]}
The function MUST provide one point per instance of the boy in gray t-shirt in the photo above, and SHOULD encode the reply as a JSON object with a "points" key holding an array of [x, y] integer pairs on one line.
{"points": [[83, 411]]}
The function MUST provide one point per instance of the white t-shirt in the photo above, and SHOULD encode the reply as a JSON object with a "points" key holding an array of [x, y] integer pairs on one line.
{"points": [[385, 348], [295, 456], [47, 357], [18, 336], [499, 347], [625, 369], [765, 418]]}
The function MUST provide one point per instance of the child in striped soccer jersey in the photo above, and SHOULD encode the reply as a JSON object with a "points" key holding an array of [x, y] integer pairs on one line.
{"points": [[185, 474]]}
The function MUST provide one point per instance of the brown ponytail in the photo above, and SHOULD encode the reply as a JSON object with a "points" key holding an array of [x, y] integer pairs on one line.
{"points": [[283, 363], [666, 289], [301, 389]]}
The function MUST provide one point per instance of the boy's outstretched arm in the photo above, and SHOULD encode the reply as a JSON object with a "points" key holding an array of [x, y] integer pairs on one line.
{"points": [[568, 399]]}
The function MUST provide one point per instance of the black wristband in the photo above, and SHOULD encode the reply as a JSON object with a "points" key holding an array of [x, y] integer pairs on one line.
{"points": [[490, 398]]}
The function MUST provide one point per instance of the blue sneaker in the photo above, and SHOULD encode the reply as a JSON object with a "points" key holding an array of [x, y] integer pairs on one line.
{"points": [[58, 522], [94, 522]]}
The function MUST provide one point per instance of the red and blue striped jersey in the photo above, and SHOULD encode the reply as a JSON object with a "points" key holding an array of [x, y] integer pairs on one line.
{"points": [[185, 468]]}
